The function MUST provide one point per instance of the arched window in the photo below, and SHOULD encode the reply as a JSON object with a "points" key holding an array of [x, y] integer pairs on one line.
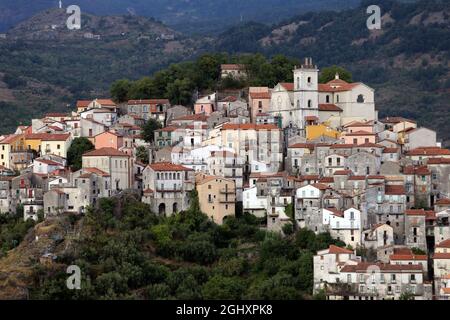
{"points": [[309, 104], [298, 82], [360, 99], [328, 99], [309, 80]]}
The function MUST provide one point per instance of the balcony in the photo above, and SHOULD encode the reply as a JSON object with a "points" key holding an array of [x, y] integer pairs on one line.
{"points": [[227, 191]]}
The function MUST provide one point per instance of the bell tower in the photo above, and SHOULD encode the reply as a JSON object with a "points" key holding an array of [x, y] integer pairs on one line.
{"points": [[306, 93]]}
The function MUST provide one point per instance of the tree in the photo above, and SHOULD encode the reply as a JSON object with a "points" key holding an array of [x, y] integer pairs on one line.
{"points": [[120, 90], [142, 154], [329, 74], [223, 288], [149, 128], [418, 251], [78, 147]]}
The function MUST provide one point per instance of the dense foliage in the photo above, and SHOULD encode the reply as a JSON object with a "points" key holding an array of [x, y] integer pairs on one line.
{"points": [[179, 81], [78, 147], [12, 231], [127, 252]]}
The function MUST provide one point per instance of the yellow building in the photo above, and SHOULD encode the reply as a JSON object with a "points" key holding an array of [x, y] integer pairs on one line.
{"points": [[33, 141], [316, 131], [9, 145], [217, 197], [57, 144]]}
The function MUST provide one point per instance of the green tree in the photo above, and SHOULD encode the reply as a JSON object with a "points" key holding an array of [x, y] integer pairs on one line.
{"points": [[223, 288], [142, 154], [120, 90], [328, 74], [418, 251], [149, 128], [78, 147]]}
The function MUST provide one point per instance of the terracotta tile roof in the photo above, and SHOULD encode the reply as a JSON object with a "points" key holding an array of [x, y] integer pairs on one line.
{"points": [[444, 244], [342, 146], [343, 172], [289, 86], [422, 170], [408, 257], [10, 138], [56, 137], [229, 99], [326, 180], [311, 118], [329, 107], [338, 250], [193, 117], [167, 129], [97, 171], [302, 146], [310, 177], [370, 145], [167, 166], [443, 201], [428, 151], [249, 126], [56, 115], [352, 178], [148, 101], [360, 133], [336, 85], [358, 124], [83, 103], [320, 186], [148, 191], [336, 212], [105, 152], [430, 215], [438, 161], [438, 255], [260, 95], [415, 212], [375, 177], [364, 266], [394, 190], [106, 102], [48, 162], [232, 66], [395, 120], [390, 150]]}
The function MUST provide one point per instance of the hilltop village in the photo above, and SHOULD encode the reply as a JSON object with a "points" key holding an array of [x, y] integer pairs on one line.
{"points": [[300, 155]]}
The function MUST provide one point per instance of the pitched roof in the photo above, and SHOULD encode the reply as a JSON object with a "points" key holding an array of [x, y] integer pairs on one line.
{"points": [[443, 201], [167, 166], [395, 120], [390, 150], [289, 86], [106, 102], [329, 107], [342, 172], [364, 266], [415, 212], [302, 146], [260, 95], [438, 161], [338, 250], [10, 138], [336, 85], [408, 257], [428, 151], [360, 133], [105, 152], [83, 103], [444, 244], [97, 171], [249, 126], [233, 66], [394, 190], [148, 101]]}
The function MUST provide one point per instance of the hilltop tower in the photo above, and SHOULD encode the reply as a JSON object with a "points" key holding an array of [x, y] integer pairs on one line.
{"points": [[306, 93], [60, 4]]}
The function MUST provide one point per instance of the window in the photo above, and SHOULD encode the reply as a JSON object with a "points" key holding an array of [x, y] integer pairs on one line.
{"points": [[309, 104], [328, 99], [58, 147], [360, 99], [309, 80]]}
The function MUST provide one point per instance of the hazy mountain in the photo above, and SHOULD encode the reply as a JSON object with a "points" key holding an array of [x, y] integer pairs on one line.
{"points": [[187, 15]]}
